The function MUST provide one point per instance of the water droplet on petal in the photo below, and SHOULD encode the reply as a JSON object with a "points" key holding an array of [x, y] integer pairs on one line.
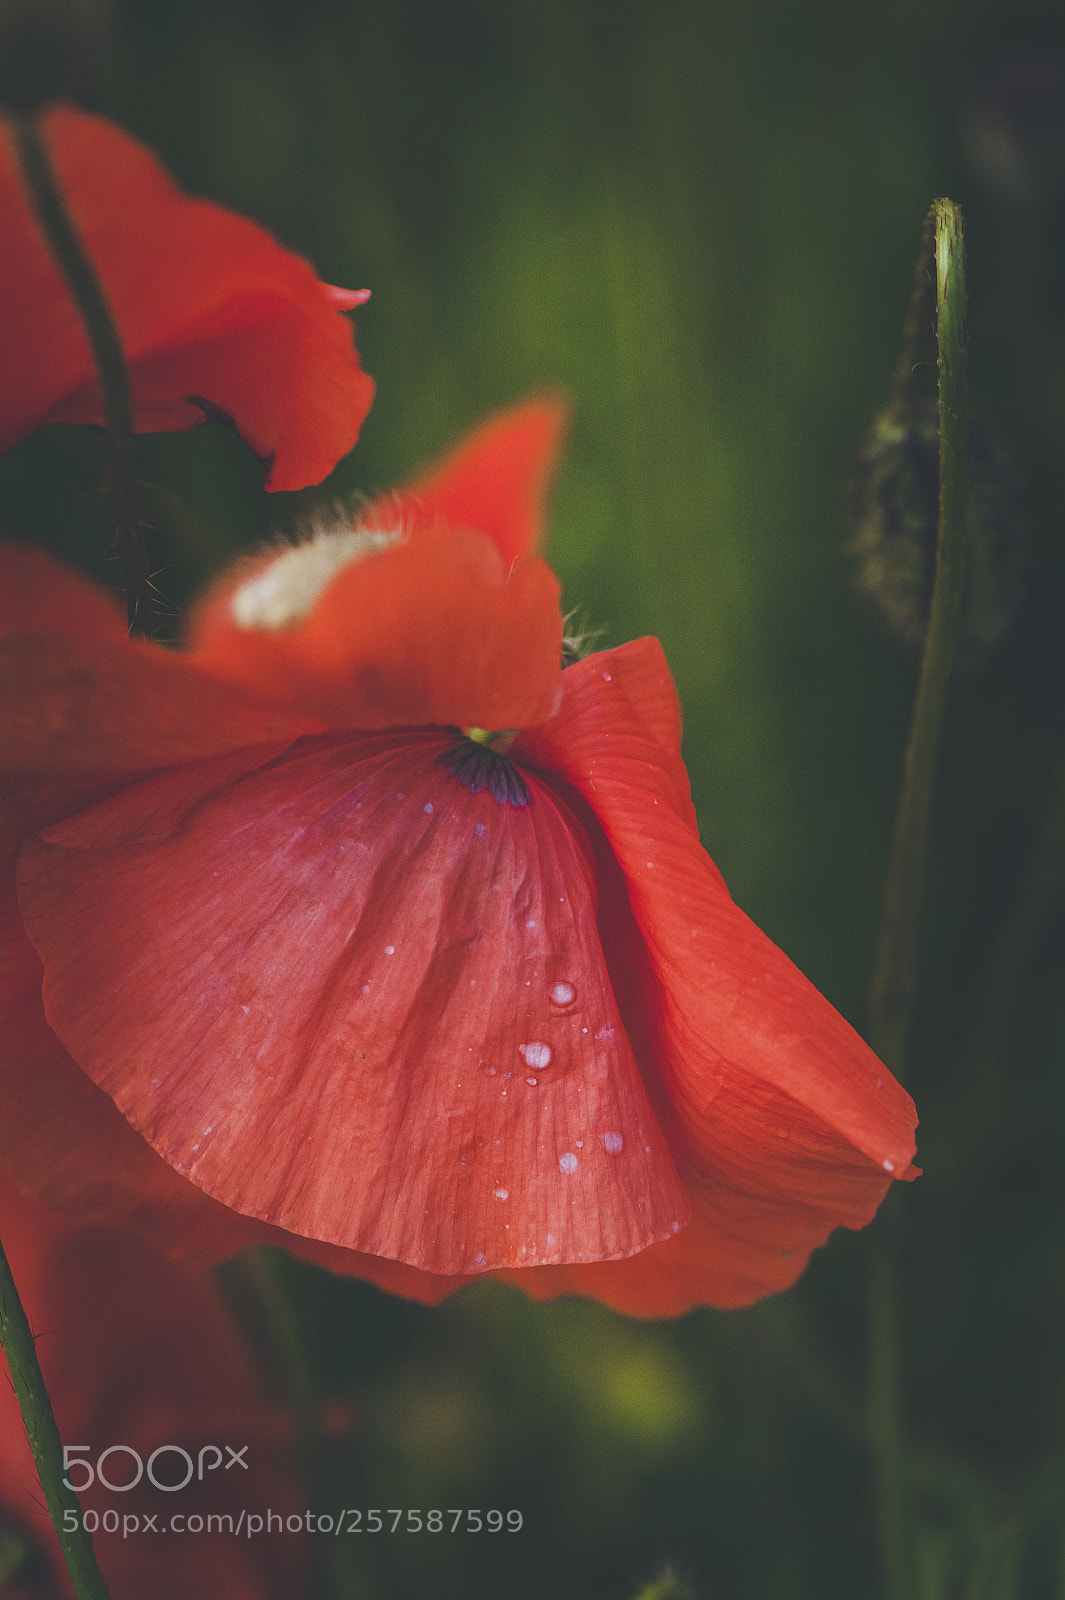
{"points": [[607, 678], [605, 1035], [674, 1227], [536, 1054], [489, 1072], [428, 808], [479, 829], [480, 1259], [563, 994], [532, 1082], [501, 1194], [567, 1162], [889, 1166], [613, 1143], [390, 949], [402, 795]]}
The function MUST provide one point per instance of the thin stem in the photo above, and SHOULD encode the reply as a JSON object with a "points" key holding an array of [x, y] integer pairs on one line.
{"points": [[63, 1507], [892, 988], [98, 322]]}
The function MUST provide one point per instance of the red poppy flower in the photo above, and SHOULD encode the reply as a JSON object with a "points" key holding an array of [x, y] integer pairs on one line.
{"points": [[433, 1006], [163, 1370], [214, 316]]}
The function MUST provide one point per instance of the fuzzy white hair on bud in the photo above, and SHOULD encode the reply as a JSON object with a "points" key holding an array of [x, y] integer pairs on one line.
{"points": [[281, 594]]}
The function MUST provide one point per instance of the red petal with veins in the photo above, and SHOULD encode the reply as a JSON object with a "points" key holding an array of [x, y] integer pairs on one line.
{"points": [[782, 1118], [349, 996], [207, 305]]}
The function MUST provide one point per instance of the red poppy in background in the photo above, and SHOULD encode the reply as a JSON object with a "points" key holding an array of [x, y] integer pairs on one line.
{"points": [[163, 1369], [434, 1005], [213, 315]]}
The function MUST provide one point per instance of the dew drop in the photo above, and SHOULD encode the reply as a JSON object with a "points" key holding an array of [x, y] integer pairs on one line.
{"points": [[366, 988], [479, 829], [428, 808], [674, 1227], [580, 1144], [613, 1143], [607, 678], [246, 1009], [567, 1162], [489, 1072], [531, 922], [549, 1238], [390, 949], [563, 994], [532, 1082], [402, 795], [536, 1054], [501, 1194], [889, 1166], [605, 1035], [480, 1259]]}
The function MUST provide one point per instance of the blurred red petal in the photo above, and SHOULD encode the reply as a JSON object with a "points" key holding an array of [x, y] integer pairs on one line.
{"points": [[163, 1368], [456, 624], [207, 305], [445, 635], [387, 991], [78, 696], [497, 479]]}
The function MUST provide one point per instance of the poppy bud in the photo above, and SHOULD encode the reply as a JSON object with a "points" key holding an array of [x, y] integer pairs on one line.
{"points": [[895, 511]]}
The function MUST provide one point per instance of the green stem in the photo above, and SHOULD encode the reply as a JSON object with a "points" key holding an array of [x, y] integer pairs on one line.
{"points": [[892, 988], [99, 324], [32, 1396]]}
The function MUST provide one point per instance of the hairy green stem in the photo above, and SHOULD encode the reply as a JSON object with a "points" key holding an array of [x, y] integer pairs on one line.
{"points": [[892, 988], [20, 1350], [99, 324]]}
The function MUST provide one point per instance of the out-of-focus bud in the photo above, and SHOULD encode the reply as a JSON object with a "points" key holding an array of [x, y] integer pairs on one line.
{"points": [[895, 512]]}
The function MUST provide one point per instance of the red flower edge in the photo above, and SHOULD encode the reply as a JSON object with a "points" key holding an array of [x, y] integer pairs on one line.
{"points": [[213, 315]]}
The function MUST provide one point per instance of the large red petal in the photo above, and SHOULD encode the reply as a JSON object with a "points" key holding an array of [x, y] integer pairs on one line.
{"points": [[208, 307], [78, 696], [780, 1113], [65, 1143], [349, 996]]}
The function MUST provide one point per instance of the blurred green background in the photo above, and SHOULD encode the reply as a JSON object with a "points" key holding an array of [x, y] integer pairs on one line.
{"points": [[701, 219]]}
